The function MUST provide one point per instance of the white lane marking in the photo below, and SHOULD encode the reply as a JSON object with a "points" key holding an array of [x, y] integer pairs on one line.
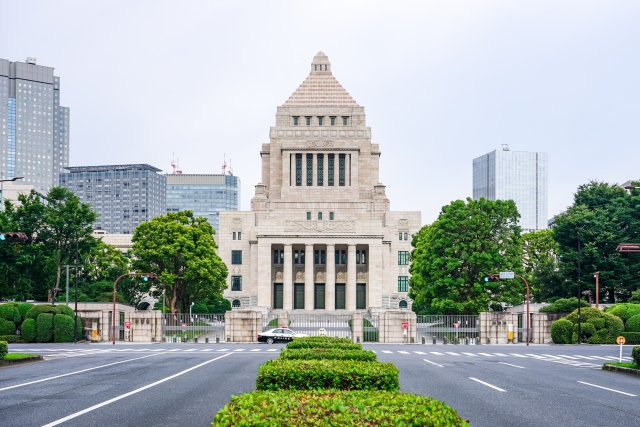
{"points": [[485, 354], [610, 389], [419, 352], [273, 349], [192, 349], [77, 372], [568, 357], [509, 364], [499, 354], [385, 351], [604, 358], [240, 349], [115, 399], [481, 382], [224, 349], [452, 353], [173, 349], [208, 349], [518, 355], [433, 363], [435, 352], [256, 349], [468, 354], [403, 352], [583, 357], [551, 356]]}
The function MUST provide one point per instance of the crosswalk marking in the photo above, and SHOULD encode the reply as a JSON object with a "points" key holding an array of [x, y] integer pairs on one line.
{"points": [[256, 349], [452, 353], [469, 354], [403, 352], [419, 352], [485, 354], [499, 354], [272, 349], [568, 357], [435, 352], [385, 351], [517, 355], [240, 349]]}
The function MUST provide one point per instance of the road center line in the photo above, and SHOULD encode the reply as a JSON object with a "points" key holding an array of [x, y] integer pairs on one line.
{"points": [[115, 399], [610, 389], [78, 372], [482, 382], [433, 363], [509, 364]]}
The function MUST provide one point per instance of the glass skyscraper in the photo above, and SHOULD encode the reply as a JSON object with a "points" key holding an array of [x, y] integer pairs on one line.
{"points": [[520, 176], [34, 138], [205, 195], [123, 195]]}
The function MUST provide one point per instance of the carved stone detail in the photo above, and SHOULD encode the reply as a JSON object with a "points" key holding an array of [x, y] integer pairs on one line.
{"points": [[341, 274], [361, 274], [236, 223], [345, 226], [320, 275], [379, 190], [322, 143], [404, 270], [236, 270], [403, 223], [299, 275], [279, 274], [261, 190]]}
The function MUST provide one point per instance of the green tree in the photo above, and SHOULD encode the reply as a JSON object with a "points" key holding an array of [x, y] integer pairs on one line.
{"points": [[180, 249], [539, 261], [454, 254], [604, 215]]}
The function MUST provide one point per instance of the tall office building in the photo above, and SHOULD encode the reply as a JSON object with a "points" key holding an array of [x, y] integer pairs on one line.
{"points": [[35, 128], [123, 195], [205, 195], [520, 176]]}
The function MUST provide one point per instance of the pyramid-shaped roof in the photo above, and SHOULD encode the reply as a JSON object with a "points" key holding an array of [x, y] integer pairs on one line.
{"points": [[320, 89]]}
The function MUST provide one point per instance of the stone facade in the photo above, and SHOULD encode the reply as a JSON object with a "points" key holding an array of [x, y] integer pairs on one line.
{"points": [[320, 234]]}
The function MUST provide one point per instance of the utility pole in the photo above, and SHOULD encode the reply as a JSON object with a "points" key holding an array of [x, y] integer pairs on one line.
{"points": [[597, 276]]}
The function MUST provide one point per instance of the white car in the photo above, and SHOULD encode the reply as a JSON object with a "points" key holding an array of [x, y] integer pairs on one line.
{"points": [[279, 334]]}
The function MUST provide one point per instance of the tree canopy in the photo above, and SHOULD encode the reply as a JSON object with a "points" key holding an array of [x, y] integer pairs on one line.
{"points": [[452, 256]]}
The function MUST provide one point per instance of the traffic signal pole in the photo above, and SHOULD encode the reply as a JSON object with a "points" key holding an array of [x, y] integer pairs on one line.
{"points": [[496, 277]]}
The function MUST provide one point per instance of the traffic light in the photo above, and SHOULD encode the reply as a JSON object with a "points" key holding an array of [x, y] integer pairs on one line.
{"points": [[13, 237], [492, 278], [150, 277]]}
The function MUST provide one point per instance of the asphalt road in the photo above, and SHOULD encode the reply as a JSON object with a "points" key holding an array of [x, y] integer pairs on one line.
{"points": [[185, 384]]}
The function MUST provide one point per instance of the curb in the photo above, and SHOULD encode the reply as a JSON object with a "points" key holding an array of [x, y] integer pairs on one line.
{"points": [[30, 359], [621, 369]]}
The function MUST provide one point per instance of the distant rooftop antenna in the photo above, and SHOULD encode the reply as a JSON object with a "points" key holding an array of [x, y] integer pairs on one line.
{"points": [[175, 164], [505, 147], [230, 168], [224, 165]]}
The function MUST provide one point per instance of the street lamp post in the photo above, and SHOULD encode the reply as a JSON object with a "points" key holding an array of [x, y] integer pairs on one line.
{"points": [[75, 322], [148, 276], [579, 290], [597, 276]]}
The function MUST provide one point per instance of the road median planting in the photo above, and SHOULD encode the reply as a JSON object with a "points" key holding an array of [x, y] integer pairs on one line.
{"points": [[328, 354]]}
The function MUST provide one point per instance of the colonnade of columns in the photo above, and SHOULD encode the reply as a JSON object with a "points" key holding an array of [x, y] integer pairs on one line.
{"points": [[319, 170]]}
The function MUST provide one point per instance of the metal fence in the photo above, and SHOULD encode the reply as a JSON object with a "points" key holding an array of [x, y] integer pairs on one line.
{"points": [[453, 329], [522, 327], [197, 328], [370, 331], [269, 321], [334, 325]]}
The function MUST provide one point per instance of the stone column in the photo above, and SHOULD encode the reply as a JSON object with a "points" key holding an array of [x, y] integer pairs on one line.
{"points": [[330, 278], [374, 282], [287, 283], [350, 291], [264, 273], [308, 277]]}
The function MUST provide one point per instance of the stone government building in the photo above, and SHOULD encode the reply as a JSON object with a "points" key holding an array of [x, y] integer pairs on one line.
{"points": [[320, 234]]}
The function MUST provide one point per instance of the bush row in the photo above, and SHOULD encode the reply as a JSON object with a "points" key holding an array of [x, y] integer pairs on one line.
{"points": [[9, 338], [635, 355], [336, 408], [597, 327], [328, 353], [4, 349], [307, 343], [631, 337]]}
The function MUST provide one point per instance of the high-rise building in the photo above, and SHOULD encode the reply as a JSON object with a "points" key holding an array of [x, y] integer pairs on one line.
{"points": [[320, 234], [123, 195], [205, 195], [35, 128], [520, 176]]}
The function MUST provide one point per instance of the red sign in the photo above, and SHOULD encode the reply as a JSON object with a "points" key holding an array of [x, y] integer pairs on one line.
{"points": [[127, 325], [405, 325], [456, 324], [184, 324]]}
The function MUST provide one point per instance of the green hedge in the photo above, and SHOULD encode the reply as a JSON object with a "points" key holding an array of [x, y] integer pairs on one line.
{"points": [[24, 308], [37, 310], [44, 327], [327, 374], [561, 331], [10, 312], [635, 355], [66, 310], [328, 353], [563, 305], [625, 311], [307, 343], [62, 328], [7, 327], [632, 337], [633, 324], [336, 408], [10, 338], [28, 330], [4, 349], [597, 327]]}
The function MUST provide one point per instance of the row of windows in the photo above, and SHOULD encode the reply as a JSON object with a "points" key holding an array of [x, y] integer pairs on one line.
{"points": [[320, 170], [406, 236], [320, 120], [238, 235], [319, 257], [319, 296], [319, 216]]}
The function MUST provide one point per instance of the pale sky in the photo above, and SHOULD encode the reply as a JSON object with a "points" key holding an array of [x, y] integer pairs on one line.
{"points": [[441, 82]]}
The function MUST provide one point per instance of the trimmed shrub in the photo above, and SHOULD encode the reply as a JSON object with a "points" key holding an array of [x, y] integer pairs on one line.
{"points": [[585, 328], [306, 343], [28, 330], [336, 408], [328, 353], [625, 311], [597, 323], [44, 327], [633, 324], [632, 337], [600, 337], [327, 374], [7, 327], [561, 331], [66, 310], [563, 305], [23, 309], [9, 338], [614, 325], [635, 355], [585, 314], [4, 349], [62, 328], [37, 310], [10, 312]]}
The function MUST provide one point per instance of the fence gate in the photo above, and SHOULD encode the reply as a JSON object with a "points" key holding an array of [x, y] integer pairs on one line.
{"points": [[334, 325], [522, 327], [370, 330], [450, 329], [269, 321], [179, 327]]}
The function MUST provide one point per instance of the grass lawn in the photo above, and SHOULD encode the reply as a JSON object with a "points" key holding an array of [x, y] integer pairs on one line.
{"points": [[624, 365], [13, 356]]}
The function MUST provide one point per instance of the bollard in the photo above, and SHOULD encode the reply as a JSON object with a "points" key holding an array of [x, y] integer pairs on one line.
{"points": [[357, 339], [444, 341], [466, 341], [217, 340], [424, 339], [434, 340], [413, 340], [228, 338], [206, 340], [488, 340], [195, 340]]}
